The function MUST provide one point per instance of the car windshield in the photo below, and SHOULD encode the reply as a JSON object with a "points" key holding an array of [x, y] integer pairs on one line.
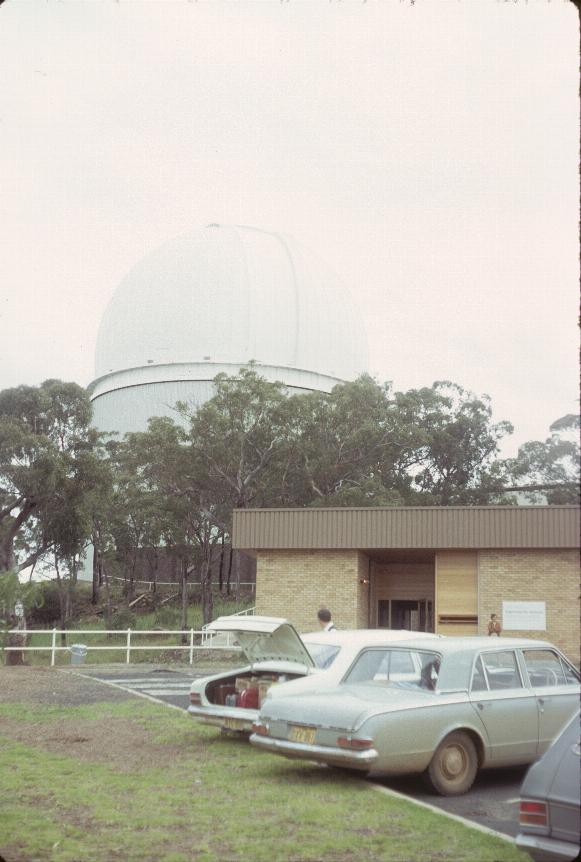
{"points": [[322, 654]]}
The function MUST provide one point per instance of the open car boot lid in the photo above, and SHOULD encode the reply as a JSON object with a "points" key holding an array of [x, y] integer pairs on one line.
{"points": [[264, 639]]}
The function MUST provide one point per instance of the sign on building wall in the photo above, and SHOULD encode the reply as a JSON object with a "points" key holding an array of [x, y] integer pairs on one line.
{"points": [[524, 616]]}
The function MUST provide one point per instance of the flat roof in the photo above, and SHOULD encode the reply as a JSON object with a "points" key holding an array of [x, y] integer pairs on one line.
{"points": [[428, 527]]}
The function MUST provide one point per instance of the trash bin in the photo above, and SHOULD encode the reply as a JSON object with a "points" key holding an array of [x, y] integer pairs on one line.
{"points": [[78, 653]]}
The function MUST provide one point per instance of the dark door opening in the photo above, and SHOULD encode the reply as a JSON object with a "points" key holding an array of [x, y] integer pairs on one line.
{"points": [[415, 616]]}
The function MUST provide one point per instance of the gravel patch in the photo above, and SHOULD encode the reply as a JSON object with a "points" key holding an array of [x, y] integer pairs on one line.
{"points": [[50, 686], [119, 742], [123, 742]]}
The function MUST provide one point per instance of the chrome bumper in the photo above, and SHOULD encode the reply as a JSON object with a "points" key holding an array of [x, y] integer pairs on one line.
{"points": [[362, 760], [545, 849], [230, 718]]}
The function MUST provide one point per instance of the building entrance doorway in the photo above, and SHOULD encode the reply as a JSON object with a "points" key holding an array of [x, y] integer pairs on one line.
{"points": [[415, 616]]}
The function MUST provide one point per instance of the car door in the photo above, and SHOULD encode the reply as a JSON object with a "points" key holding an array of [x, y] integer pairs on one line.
{"points": [[556, 689], [507, 709]]}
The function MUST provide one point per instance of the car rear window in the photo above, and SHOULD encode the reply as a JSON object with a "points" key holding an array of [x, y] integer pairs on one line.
{"points": [[322, 654]]}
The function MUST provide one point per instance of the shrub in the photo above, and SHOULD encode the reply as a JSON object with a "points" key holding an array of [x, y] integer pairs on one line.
{"points": [[47, 609], [167, 618], [123, 619]]}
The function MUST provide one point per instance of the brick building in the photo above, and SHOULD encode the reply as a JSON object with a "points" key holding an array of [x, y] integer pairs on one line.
{"points": [[427, 569]]}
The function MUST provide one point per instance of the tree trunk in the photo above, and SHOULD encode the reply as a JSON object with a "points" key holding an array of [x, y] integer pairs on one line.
{"points": [[184, 579], [221, 569], [15, 639], [154, 572], [131, 587], [96, 567], [236, 575], [62, 601], [7, 555], [229, 571], [207, 597], [108, 610]]}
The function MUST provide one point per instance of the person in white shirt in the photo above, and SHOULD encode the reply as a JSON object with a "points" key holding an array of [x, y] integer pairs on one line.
{"points": [[325, 621]]}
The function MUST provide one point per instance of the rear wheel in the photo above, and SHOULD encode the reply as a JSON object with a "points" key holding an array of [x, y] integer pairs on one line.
{"points": [[454, 765]]}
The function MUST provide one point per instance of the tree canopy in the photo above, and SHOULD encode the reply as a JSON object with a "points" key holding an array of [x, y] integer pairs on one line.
{"points": [[252, 444], [51, 471]]}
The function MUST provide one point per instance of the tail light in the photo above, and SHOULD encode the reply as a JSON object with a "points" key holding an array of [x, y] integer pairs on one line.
{"points": [[354, 743], [260, 729], [195, 698], [533, 813]]}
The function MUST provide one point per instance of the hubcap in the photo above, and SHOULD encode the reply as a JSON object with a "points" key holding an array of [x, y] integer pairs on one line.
{"points": [[454, 762]]}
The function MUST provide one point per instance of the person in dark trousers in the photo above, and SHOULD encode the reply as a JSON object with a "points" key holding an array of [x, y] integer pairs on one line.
{"points": [[325, 620]]}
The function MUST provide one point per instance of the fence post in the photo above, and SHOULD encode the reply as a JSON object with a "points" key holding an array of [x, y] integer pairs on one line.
{"points": [[191, 646], [128, 645], [53, 648]]}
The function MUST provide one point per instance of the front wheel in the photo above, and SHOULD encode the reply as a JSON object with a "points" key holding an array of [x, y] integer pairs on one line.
{"points": [[454, 765]]}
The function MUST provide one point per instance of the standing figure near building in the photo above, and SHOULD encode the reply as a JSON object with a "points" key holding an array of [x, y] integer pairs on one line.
{"points": [[494, 627], [325, 621]]}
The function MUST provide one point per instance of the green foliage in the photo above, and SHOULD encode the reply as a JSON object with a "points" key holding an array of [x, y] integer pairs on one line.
{"points": [[123, 619], [549, 470], [166, 618], [51, 472], [174, 486], [47, 610], [12, 592]]}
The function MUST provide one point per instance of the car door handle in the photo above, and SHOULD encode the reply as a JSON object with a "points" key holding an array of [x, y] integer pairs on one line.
{"points": [[483, 705]]}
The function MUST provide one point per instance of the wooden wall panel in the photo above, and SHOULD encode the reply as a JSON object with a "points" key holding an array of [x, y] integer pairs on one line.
{"points": [[456, 591]]}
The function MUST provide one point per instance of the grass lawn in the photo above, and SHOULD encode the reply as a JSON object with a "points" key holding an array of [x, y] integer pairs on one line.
{"points": [[122, 779]]}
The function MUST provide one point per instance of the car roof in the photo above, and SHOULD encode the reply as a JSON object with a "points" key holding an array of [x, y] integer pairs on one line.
{"points": [[454, 643], [444, 644], [339, 637]]}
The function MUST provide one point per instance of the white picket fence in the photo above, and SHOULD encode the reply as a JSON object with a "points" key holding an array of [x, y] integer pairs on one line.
{"points": [[207, 641]]}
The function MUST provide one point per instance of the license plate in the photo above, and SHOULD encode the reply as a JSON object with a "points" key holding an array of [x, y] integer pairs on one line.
{"points": [[233, 724], [302, 734]]}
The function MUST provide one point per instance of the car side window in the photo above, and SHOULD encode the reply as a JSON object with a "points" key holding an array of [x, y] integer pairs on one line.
{"points": [[501, 670], [401, 662], [478, 677], [369, 664], [543, 667]]}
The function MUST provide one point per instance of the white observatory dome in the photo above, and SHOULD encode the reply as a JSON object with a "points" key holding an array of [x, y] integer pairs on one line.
{"points": [[213, 301]]}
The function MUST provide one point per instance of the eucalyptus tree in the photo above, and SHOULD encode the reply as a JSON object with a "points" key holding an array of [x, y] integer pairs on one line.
{"points": [[348, 445], [135, 509], [239, 435], [239, 446], [457, 459], [165, 501], [50, 463], [548, 470]]}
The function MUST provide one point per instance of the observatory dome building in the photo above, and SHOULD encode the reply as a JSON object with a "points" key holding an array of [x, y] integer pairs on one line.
{"points": [[213, 301]]}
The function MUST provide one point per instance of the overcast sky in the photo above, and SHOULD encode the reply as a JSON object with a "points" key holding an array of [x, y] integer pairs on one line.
{"points": [[428, 151]]}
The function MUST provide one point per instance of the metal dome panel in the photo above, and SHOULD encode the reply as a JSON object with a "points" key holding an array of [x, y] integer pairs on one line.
{"points": [[232, 294]]}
